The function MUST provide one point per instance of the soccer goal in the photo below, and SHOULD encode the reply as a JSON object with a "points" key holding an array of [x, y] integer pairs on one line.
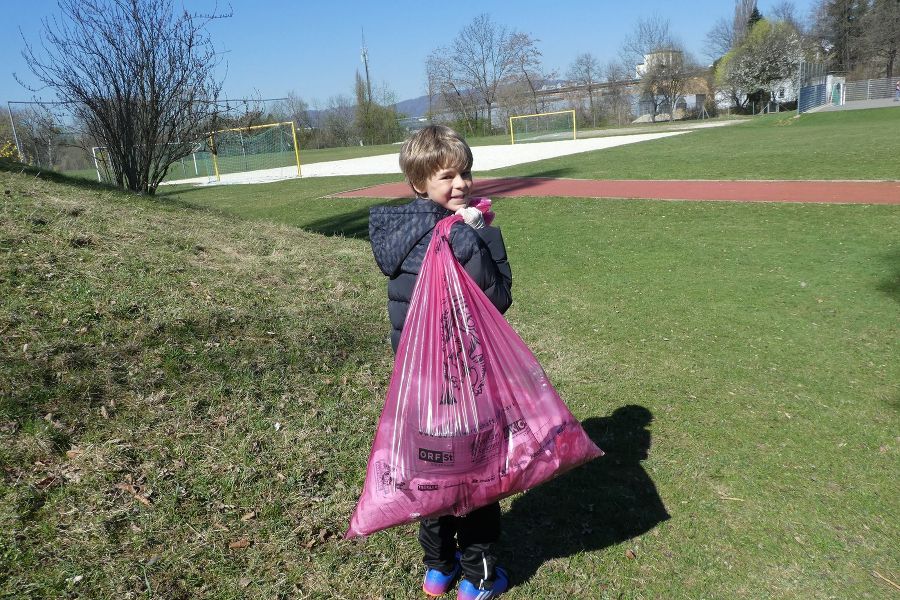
{"points": [[543, 127], [197, 166], [257, 153]]}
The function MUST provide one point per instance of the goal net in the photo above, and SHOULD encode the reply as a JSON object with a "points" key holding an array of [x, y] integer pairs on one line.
{"points": [[197, 167], [258, 153], [543, 127]]}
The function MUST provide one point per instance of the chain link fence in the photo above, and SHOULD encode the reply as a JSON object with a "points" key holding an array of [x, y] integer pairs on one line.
{"points": [[49, 135]]}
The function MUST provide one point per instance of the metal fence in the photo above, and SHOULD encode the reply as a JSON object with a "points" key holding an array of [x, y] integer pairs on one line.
{"points": [[810, 97], [812, 94], [870, 89]]}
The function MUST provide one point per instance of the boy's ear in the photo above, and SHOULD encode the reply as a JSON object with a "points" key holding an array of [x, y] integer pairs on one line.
{"points": [[415, 191]]}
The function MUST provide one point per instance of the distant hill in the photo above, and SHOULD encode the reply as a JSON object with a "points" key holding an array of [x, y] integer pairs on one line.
{"points": [[414, 107]]}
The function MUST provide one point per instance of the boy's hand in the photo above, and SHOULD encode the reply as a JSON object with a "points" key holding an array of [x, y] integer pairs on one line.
{"points": [[472, 217], [484, 205]]}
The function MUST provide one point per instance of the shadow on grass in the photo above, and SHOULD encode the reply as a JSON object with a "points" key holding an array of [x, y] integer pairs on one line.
{"points": [[48, 175], [553, 173], [603, 503], [167, 198], [353, 223], [503, 185], [891, 285]]}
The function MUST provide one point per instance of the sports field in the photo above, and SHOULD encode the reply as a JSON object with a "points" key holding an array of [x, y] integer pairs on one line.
{"points": [[189, 384]]}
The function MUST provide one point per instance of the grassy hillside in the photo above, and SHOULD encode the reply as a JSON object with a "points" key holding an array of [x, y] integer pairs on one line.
{"points": [[172, 383], [187, 397]]}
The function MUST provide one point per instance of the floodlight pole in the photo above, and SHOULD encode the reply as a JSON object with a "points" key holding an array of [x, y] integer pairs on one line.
{"points": [[15, 135]]}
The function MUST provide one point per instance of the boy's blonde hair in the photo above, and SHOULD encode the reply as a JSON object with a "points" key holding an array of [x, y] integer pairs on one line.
{"points": [[431, 149]]}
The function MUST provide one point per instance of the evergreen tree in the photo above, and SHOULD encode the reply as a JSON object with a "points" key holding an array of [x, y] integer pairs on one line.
{"points": [[754, 18], [839, 24]]}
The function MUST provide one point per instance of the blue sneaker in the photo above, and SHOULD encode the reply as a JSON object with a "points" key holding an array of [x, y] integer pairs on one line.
{"points": [[437, 583], [468, 591]]}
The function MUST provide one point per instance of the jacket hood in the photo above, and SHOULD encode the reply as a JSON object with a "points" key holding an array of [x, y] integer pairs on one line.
{"points": [[395, 230]]}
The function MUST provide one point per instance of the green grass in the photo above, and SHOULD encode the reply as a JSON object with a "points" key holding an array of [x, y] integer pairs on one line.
{"points": [[227, 366], [295, 202], [855, 144]]}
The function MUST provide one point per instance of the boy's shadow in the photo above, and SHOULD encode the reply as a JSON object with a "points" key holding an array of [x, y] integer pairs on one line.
{"points": [[607, 501]]}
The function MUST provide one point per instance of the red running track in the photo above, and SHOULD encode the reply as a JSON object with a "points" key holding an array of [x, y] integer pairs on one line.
{"points": [[840, 192]]}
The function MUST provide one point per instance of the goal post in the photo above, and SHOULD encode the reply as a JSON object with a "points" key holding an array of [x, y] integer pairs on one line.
{"points": [[543, 127], [270, 149], [237, 155]]}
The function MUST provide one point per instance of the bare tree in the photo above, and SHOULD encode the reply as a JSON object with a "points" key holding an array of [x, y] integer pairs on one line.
{"points": [[483, 57], [243, 113], [727, 34], [616, 102], [338, 122], [649, 35], [483, 53], [515, 98], [455, 98], [140, 75], [787, 11], [585, 71], [743, 13], [526, 59], [294, 108], [38, 130], [652, 43], [670, 76], [719, 39]]}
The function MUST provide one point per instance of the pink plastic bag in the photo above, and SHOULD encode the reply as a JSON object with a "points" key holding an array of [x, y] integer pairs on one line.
{"points": [[470, 416]]}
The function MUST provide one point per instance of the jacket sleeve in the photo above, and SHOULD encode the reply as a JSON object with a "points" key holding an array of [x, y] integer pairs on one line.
{"points": [[483, 255]]}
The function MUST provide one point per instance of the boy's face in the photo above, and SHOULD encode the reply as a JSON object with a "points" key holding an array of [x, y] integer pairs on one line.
{"points": [[448, 187]]}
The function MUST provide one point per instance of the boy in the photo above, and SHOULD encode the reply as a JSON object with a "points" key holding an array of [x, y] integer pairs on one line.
{"points": [[437, 164]]}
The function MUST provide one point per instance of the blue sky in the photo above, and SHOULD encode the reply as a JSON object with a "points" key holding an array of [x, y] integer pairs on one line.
{"points": [[273, 47]]}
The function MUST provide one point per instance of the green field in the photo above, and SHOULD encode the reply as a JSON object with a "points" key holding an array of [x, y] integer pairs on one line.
{"points": [[189, 385], [855, 144]]}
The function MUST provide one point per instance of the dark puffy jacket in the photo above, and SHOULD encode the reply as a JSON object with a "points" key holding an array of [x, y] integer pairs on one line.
{"points": [[400, 236]]}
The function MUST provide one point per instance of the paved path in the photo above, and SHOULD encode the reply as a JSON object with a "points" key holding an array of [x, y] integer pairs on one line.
{"points": [[859, 105], [840, 192]]}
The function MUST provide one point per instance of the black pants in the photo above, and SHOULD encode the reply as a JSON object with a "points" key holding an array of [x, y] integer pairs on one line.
{"points": [[475, 534]]}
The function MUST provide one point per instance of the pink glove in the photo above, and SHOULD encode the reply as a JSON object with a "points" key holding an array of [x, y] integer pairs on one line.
{"points": [[484, 205]]}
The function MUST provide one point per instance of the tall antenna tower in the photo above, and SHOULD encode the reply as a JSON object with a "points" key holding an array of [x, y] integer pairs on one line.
{"points": [[365, 59]]}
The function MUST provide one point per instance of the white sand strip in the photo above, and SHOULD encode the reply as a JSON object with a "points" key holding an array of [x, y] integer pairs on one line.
{"points": [[486, 157]]}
